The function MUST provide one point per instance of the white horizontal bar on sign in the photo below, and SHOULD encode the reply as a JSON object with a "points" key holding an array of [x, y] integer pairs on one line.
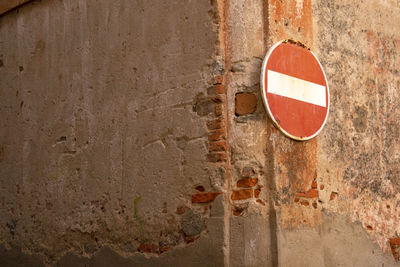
{"points": [[295, 88]]}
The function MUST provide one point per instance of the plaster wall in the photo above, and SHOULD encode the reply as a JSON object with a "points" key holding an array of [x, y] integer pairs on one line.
{"points": [[133, 133]]}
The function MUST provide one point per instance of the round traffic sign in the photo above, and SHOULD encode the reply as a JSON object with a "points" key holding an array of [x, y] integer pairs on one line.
{"points": [[295, 90]]}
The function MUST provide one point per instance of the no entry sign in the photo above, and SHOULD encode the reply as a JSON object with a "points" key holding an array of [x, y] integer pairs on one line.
{"points": [[295, 90]]}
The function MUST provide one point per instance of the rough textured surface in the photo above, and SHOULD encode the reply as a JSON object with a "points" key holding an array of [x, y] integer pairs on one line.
{"points": [[133, 133], [103, 138], [350, 168]]}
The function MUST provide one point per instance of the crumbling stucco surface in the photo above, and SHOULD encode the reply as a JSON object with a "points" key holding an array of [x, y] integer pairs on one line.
{"points": [[101, 145], [325, 198], [133, 133]]}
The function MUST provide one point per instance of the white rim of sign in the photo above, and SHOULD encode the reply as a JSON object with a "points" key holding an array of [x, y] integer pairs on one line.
{"points": [[264, 96]]}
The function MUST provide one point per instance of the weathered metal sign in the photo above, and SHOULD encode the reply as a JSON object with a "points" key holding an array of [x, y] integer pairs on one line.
{"points": [[295, 90]]}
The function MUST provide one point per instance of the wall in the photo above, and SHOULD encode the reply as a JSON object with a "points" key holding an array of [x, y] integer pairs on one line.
{"points": [[106, 108], [134, 133], [332, 200]]}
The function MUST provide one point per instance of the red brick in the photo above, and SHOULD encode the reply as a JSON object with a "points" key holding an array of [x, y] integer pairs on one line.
{"points": [[241, 194], [148, 248], [394, 241], [218, 109], [314, 184], [220, 79], [215, 124], [219, 89], [257, 193], [217, 157], [333, 196], [218, 99], [395, 247], [304, 203], [321, 187], [216, 135], [237, 211], [296, 200], [218, 146], [245, 103], [247, 182], [312, 193], [204, 197]]}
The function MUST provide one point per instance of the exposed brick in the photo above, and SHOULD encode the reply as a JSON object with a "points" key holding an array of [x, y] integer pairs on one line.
{"points": [[219, 89], [215, 124], [241, 194], [321, 187], [248, 172], [394, 241], [237, 211], [217, 157], [245, 103], [148, 248], [204, 197], [257, 193], [333, 196], [218, 99], [314, 184], [315, 205], [296, 200], [220, 79], [312, 193], [304, 203], [218, 109], [247, 182], [395, 247], [200, 188], [260, 202], [164, 249], [216, 135], [218, 146]]}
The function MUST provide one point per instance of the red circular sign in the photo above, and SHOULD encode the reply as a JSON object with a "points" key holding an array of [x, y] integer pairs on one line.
{"points": [[295, 90]]}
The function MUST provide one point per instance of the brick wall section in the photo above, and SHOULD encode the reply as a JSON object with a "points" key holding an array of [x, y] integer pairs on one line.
{"points": [[216, 125], [247, 189], [245, 103], [395, 247], [213, 106]]}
